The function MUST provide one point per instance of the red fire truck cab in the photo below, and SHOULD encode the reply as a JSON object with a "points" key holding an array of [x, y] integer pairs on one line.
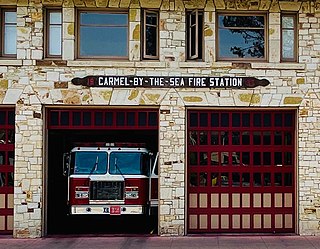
{"points": [[111, 180]]}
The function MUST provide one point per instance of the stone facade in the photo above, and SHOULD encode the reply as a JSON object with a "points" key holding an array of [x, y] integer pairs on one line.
{"points": [[30, 83]]}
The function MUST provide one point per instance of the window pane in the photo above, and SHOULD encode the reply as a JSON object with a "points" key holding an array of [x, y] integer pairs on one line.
{"points": [[151, 40], [288, 43], [10, 39], [288, 22], [10, 17], [103, 18], [55, 40], [241, 36], [55, 18], [113, 41], [203, 138], [110, 28]]}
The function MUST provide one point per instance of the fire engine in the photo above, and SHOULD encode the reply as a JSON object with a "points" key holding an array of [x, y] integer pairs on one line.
{"points": [[113, 179]]}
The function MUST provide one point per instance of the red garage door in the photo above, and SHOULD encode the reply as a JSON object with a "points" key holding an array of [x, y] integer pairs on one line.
{"points": [[6, 169], [241, 171]]}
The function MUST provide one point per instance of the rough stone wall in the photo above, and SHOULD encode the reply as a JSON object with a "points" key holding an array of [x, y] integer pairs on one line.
{"points": [[29, 83]]}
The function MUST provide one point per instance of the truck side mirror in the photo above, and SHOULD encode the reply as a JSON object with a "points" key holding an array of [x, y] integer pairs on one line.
{"points": [[66, 163]]}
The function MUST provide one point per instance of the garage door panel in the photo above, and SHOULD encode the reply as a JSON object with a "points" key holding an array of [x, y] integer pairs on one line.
{"points": [[241, 171]]}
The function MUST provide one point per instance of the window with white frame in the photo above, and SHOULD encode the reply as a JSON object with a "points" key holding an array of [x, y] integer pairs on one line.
{"points": [[54, 33], [102, 34], [194, 34], [289, 37], [241, 36], [9, 32]]}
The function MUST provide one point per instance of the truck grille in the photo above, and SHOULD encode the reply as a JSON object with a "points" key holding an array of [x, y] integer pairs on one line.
{"points": [[102, 190]]}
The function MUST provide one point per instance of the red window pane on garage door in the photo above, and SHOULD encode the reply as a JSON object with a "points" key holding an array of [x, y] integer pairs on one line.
{"points": [[7, 135], [241, 171]]}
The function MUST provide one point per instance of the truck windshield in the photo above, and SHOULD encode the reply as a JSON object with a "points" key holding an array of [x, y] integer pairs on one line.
{"points": [[89, 162], [128, 163]]}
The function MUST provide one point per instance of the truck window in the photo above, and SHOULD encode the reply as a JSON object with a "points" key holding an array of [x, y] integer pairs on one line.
{"points": [[89, 162], [126, 163]]}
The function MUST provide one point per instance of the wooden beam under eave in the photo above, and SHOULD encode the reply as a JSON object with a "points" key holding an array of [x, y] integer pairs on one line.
{"points": [[102, 3]]}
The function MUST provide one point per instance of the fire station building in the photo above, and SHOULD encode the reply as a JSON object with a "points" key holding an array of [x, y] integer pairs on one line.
{"points": [[226, 91]]}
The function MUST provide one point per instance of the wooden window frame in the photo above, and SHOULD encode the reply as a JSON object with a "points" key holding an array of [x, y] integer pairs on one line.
{"points": [[266, 25], [47, 33], [190, 25], [3, 24], [295, 30], [79, 11], [144, 52]]}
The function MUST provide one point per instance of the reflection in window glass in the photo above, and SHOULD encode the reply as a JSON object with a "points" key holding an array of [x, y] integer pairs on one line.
{"points": [[224, 158], [288, 37], [112, 30], [203, 119], [278, 158], [224, 119], [257, 120], [193, 119], [267, 179], [214, 158], [203, 158], [235, 179], [235, 138], [287, 158], [11, 157], [278, 138], [288, 119], [287, 138], [9, 32], [267, 120], [54, 33], [150, 34], [278, 179], [245, 158], [245, 179], [241, 36], [203, 179], [224, 138], [245, 138], [193, 137], [3, 137], [10, 179], [2, 158], [257, 179], [214, 179], [266, 158], [287, 179], [193, 157], [203, 138], [89, 162], [214, 138], [2, 179], [214, 120], [245, 119], [224, 179], [235, 119], [256, 158], [266, 138], [193, 180], [235, 158], [257, 138]]}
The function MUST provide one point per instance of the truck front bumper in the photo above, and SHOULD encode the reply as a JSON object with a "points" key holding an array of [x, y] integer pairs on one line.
{"points": [[107, 209]]}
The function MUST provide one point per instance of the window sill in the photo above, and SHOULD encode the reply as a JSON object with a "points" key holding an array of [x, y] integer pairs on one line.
{"points": [[14, 62], [282, 65], [192, 64]]}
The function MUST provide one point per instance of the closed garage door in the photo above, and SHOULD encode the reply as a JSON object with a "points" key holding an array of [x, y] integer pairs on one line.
{"points": [[241, 171]]}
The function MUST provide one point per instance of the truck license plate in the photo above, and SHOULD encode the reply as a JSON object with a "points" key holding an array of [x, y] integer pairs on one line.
{"points": [[115, 210]]}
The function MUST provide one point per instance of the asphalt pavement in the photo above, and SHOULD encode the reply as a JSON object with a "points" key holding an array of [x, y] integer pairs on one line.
{"points": [[156, 242]]}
